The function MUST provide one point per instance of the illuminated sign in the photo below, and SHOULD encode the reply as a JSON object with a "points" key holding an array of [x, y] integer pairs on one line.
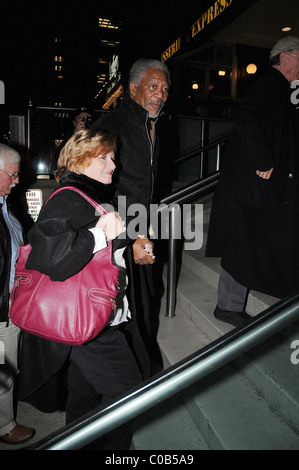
{"points": [[206, 18], [114, 73], [209, 15], [113, 67], [2, 93], [171, 50], [34, 199]]}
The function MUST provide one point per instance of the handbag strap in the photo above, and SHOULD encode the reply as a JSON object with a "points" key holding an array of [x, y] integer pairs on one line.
{"points": [[96, 205]]}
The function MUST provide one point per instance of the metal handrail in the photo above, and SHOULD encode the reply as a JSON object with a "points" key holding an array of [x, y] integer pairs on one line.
{"points": [[171, 203], [204, 148], [176, 378], [189, 192]]}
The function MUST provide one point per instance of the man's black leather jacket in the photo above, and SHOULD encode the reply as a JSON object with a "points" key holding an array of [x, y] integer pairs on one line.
{"points": [[5, 257]]}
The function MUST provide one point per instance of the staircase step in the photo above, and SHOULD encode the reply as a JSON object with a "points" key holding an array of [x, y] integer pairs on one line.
{"points": [[269, 365], [233, 416], [229, 398], [209, 269], [270, 369], [179, 337], [168, 426], [267, 370]]}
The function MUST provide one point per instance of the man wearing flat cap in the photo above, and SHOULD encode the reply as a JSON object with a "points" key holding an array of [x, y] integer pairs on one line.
{"points": [[254, 224]]}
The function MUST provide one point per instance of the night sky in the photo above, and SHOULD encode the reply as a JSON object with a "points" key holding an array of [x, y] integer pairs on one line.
{"points": [[27, 30]]}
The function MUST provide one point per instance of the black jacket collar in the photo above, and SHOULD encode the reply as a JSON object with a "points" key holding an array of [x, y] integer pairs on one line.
{"points": [[137, 111], [98, 191]]}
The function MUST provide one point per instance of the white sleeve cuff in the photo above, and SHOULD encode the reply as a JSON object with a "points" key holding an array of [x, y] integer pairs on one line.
{"points": [[99, 238]]}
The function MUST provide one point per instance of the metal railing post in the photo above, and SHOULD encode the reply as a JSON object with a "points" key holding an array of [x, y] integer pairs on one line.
{"points": [[174, 222], [218, 157], [203, 130]]}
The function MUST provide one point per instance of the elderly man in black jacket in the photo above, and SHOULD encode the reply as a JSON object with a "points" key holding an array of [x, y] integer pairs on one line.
{"points": [[11, 238], [254, 224], [134, 124]]}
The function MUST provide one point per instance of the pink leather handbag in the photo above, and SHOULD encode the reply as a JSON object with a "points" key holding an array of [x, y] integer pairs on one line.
{"points": [[73, 311]]}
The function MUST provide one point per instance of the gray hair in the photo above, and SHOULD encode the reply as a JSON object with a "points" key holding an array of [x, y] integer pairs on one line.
{"points": [[140, 67], [8, 155], [275, 60]]}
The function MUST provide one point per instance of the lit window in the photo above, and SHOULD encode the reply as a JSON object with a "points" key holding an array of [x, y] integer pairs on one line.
{"points": [[110, 24], [101, 78], [107, 43]]}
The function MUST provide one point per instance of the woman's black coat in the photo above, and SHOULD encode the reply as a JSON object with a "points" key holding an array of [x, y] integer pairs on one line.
{"points": [[254, 223], [67, 215]]}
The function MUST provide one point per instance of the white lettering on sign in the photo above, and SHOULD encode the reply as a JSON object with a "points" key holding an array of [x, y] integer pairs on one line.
{"points": [[34, 201]]}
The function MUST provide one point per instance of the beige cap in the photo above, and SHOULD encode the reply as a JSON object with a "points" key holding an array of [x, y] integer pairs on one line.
{"points": [[288, 43]]}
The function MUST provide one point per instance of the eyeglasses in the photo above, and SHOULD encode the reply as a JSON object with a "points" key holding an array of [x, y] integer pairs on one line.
{"points": [[290, 53], [12, 175]]}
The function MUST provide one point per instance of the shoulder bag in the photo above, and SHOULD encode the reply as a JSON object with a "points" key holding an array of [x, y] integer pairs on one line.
{"points": [[73, 311]]}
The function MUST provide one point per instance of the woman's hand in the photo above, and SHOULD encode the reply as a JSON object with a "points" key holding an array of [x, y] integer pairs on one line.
{"points": [[112, 225]]}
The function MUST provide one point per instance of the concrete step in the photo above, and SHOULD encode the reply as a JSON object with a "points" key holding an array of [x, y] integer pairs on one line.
{"points": [[270, 370], [168, 426], [232, 415], [246, 405], [209, 269], [262, 383]]}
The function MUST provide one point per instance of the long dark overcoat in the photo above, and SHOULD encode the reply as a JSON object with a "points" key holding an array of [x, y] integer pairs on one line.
{"points": [[43, 363], [254, 223], [135, 179]]}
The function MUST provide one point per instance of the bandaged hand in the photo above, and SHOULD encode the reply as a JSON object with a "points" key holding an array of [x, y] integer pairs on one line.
{"points": [[112, 225], [264, 174], [143, 251]]}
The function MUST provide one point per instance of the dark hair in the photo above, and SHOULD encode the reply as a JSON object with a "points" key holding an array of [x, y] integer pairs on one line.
{"points": [[275, 60], [81, 109]]}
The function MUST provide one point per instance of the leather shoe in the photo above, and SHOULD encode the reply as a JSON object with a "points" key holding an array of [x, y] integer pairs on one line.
{"points": [[18, 435], [233, 318]]}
